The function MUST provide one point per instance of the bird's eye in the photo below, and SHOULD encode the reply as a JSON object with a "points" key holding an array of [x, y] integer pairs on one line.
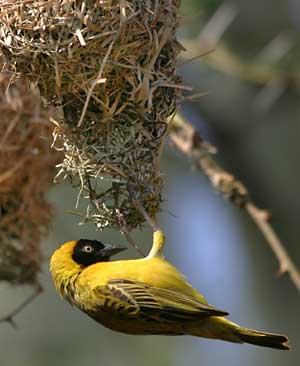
{"points": [[88, 249]]}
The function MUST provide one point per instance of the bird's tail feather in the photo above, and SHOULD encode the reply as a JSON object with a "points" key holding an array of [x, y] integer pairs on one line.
{"points": [[220, 328], [263, 339]]}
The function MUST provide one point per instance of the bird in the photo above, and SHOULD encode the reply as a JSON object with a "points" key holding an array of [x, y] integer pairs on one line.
{"points": [[144, 296]]}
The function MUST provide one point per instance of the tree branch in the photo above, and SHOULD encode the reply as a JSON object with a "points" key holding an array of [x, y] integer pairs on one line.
{"points": [[9, 318], [185, 138], [260, 217]]}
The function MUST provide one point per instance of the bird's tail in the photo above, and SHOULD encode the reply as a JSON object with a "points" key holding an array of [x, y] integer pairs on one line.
{"points": [[218, 327], [263, 339]]}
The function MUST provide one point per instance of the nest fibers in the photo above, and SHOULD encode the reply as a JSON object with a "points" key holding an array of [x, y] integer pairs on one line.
{"points": [[111, 66], [26, 171]]}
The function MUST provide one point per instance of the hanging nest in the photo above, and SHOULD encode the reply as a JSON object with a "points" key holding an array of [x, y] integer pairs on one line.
{"points": [[110, 65], [26, 171]]}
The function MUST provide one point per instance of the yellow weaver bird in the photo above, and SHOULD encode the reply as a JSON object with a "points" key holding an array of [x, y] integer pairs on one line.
{"points": [[143, 296]]}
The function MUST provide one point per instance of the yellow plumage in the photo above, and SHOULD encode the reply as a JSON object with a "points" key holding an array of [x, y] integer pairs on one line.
{"points": [[142, 296]]}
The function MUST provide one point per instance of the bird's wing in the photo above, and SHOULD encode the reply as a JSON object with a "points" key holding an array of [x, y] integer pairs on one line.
{"points": [[134, 299]]}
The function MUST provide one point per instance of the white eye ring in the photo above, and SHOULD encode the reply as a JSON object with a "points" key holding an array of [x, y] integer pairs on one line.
{"points": [[88, 249]]}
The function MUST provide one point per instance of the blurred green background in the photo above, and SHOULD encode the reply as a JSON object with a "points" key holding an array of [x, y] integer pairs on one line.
{"points": [[255, 126]]}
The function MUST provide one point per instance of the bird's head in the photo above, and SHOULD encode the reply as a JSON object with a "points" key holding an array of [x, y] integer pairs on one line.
{"points": [[72, 257], [77, 254], [86, 252]]}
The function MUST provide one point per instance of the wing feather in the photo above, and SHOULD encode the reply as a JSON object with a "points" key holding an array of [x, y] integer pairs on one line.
{"points": [[136, 299]]}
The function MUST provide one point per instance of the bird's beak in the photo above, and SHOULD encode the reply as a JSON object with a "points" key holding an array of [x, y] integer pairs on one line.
{"points": [[110, 250]]}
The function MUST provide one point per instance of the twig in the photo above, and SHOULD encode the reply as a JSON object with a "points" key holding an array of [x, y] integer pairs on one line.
{"points": [[140, 207], [285, 263], [218, 23], [186, 139], [125, 232], [158, 235], [10, 317], [202, 54], [224, 60]]}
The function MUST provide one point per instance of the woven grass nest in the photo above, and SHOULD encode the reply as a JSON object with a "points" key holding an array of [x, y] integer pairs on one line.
{"points": [[26, 171], [110, 66]]}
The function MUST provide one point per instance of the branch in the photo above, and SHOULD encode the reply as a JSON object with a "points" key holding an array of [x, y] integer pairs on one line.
{"points": [[141, 209], [124, 229], [223, 59], [10, 317], [185, 138], [260, 217], [158, 235]]}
